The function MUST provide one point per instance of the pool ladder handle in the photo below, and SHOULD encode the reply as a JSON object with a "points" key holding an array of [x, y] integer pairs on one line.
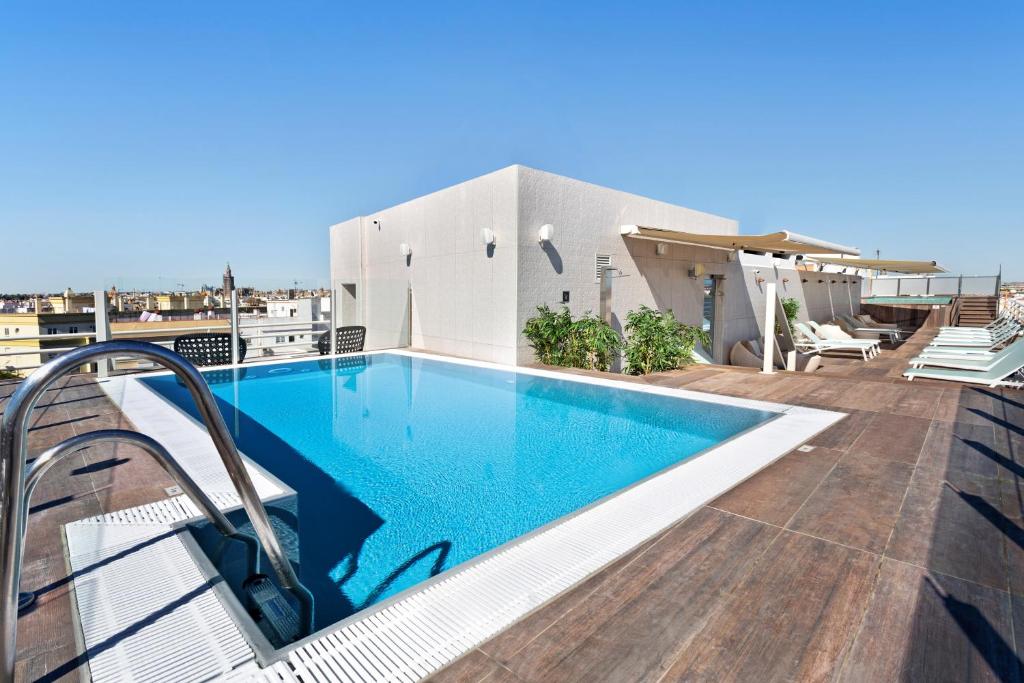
{"points": [[74, 444], [16, 488]]}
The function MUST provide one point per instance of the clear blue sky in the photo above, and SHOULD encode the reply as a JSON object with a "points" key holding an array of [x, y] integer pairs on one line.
{"points": [[144, 144]]}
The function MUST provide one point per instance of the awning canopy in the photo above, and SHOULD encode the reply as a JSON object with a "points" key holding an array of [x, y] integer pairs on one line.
{"points": [[782, 242], [913, 267]]}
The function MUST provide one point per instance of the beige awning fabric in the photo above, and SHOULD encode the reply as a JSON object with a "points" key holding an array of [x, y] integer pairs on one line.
{"points": [[782, 242], [912, 267]]}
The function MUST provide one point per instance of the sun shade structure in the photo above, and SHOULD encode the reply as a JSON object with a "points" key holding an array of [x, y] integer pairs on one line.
{"points": [[912, 267], [781, 242]]}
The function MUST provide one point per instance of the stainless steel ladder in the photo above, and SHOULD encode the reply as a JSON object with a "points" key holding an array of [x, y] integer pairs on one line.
{"points": [[16, 486]]}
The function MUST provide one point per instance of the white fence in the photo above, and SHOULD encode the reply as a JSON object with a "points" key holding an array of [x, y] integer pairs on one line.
{"points": [[932, 285]]}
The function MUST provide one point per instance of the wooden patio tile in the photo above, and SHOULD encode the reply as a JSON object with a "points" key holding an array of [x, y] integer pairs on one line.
{"points": [[791, 619], [923, 626], [844, 433], [954, 448], [958, 530], [520, 634], [470, 668], [857, 504], [892, 437], [917, 401], [636, 624], [778, 491]]}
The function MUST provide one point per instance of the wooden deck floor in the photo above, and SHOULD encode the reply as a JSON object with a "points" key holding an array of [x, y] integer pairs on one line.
{"points": [[892, 551]]}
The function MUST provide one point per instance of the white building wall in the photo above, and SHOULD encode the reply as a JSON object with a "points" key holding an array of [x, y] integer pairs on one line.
{"points": [[473, 301], [462, 294], [587, 219]]}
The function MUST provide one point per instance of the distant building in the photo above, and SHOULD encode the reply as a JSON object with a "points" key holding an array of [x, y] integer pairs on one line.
{"points": [[19, 354], [179, 302], [69, 302]]}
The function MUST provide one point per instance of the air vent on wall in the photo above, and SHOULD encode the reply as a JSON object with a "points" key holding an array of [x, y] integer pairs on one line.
{"points": [[600, 263]]}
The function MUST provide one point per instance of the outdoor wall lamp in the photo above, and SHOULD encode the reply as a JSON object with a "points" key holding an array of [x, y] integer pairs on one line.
{"points": [[405, 249], [487, 237], [546, 233], [803, 280], [785, 280], [661, 249], [821, 282]]}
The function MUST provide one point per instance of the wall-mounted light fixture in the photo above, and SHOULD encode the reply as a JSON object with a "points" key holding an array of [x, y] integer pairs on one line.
{"points": [[696, 271], [487, 237], [803, 279], [405, 249], [785, 280], [759, 280], [660, 248], [546, 233], [821, 282]]}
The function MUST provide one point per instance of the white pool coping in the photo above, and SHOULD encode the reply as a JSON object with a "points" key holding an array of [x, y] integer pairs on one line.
{"points": [[418, 631]]}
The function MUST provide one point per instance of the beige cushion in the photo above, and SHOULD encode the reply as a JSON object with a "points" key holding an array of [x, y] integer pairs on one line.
{"points": [[832, 331]]}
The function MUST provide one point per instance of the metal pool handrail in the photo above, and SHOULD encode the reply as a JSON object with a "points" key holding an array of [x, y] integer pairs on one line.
{"points": [[14, 452]]}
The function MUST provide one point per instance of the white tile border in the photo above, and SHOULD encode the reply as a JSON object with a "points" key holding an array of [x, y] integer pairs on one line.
{"points": [[430, 625]]}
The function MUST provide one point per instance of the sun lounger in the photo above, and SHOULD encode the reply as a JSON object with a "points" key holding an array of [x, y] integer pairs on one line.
{"points": [[979, 362], [1006, 371], [1006, 335], [852, 325], [865, 347]]}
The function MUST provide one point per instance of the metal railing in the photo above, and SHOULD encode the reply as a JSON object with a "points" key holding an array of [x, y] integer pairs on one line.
{"points": [[257, 332], [16, 487]]}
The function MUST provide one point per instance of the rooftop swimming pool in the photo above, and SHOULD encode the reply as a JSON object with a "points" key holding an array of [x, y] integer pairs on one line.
{"points": [[405, 466]]}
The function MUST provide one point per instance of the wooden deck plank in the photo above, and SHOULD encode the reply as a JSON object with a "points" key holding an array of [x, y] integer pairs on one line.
{"points": [[633, 627], [857, 504], [923, 626], [791, 620]]}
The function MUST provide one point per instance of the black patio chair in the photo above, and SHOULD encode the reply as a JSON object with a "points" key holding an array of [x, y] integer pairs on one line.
{"points": [[346, 340], [208, 348]]}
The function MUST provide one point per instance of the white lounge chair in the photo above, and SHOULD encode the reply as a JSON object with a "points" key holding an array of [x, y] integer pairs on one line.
{"points": [[1006, 371], [808, 340], [871, 322], [1003, 335], [962, 328], [853, 325], [978, 361]]}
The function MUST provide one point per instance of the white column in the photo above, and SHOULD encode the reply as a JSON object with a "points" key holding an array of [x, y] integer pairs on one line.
{"points": [[234, 327], [102, 331], [335, 317], [769, 329]]}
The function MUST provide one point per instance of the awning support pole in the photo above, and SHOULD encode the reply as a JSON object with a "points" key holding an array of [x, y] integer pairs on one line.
{"points": [[768, 368]]}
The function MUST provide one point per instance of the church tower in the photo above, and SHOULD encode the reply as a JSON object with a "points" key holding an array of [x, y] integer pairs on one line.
{"points": [[229, 285]]}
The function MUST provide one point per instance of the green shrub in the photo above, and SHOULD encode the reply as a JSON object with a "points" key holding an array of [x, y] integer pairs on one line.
{"points": [[592, 344], [657, 341], [791, 307], [8, 374], [547, 332], [588, 343]]}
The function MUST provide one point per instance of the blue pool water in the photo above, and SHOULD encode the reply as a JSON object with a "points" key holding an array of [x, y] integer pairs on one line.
{"points": [[405, 467]]}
